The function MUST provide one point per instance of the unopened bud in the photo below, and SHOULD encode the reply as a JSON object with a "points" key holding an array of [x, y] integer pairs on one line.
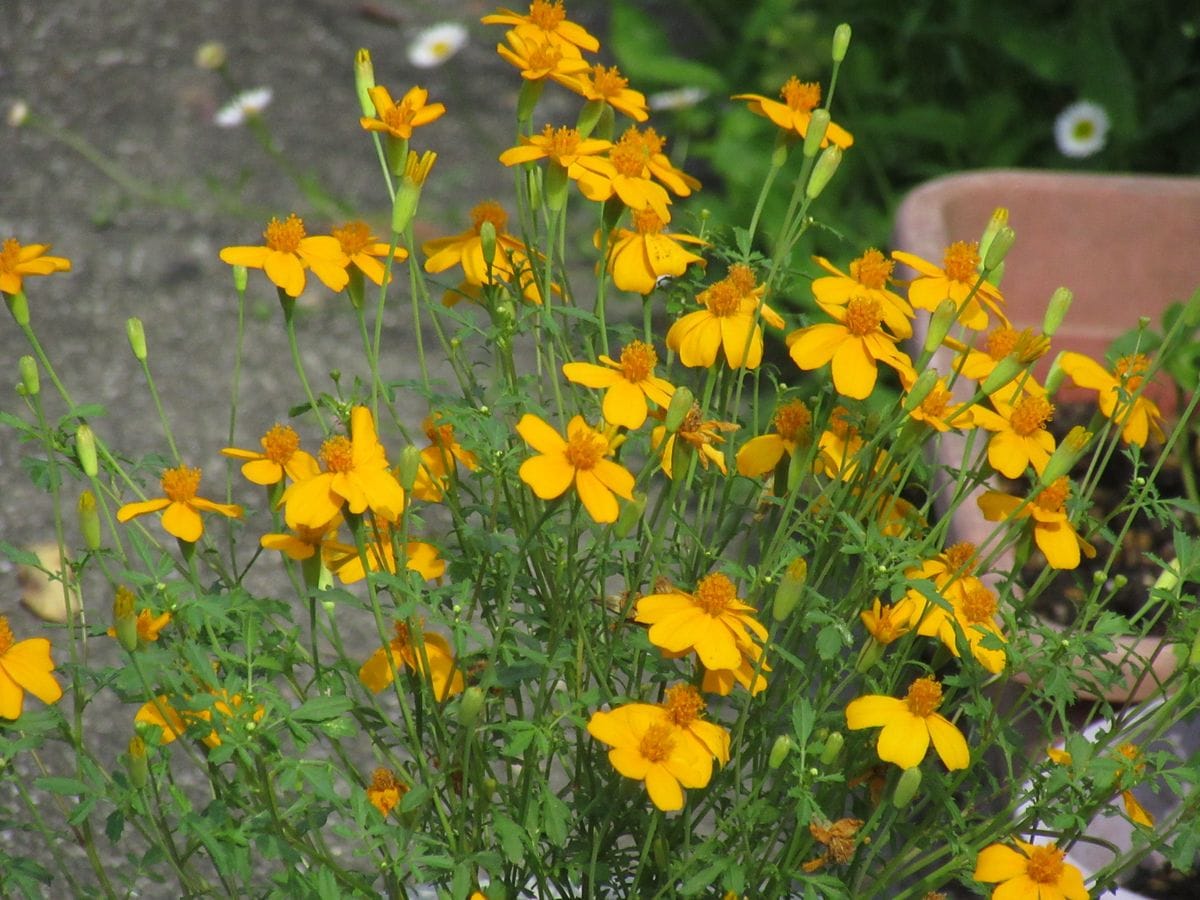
{"points": [[1065, 455], [630, 515], [89, 520], [779, 153], [487, 243], [241, 277], [125, 619], [779, 751], [681, 404], [817, 126], [139, 768], [1056, 310], [137, 337], [470, 706], [998, 248], [841, 42], [916, 395], [940, 324], [833, 748], [1168, 579], [827, 163], [906, 787], [364, 80], [85, 450], [27, 366], [408, 468], [408, 193], [1004, 372], [791, 588]]}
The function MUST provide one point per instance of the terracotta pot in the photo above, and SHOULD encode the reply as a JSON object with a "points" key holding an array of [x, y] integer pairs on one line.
{"points": [[1126, 247]]}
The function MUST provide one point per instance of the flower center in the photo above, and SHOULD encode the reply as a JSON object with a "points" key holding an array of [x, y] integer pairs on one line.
{"points": [[1052, 498], [650, 140], [646, 221], [338, 454], [979, 605], [1030, 414], [961, 262], [181, 483], [123, 602], [441, 435], [608, 82], [355, 237], [863, 315], [742, 278], [10, 255], [285, 236], [714, 593], [546, 16], [563, 142], [1045, 865], [958, 556], [936, 402], [1130, 370], [384, 780], [402, 639], [1000, 343], [637, 361], [1084, 129], [683, 704], [543, 57], [489, 211], [924, 697], [839, 424], [802, 96], [657, 743], [6, 635], [792, 421], [872, 270], [723, 298], [585, 448], [629, 155], [280, 443]]}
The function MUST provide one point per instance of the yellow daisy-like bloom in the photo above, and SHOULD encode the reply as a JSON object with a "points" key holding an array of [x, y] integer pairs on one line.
{"points": [[854, 345], [1140, 418], [303, 542], [550, 19], [1053, 532], [869, 277], [838, 446], [399, 119], [24, 666], [628, 384], [909, 725], [606, 84], [420, 557], [886, 622], [578, 460], [712, 620], [701, 435], [939, 411], [729, 323], [648, 747], [181, 507], [977, 363], [793, 429], [632, 171], [749, 674], [174, 722], [148, 626], [385, 792], [288, 253], [563, 146], [1137, 813], [17, 261], [440, 460], [800, 98], [510, 264], [683, 707], [444, 677], [364, 251], [955, 281], [1029, 872], [356, 475], [281, 455], [639, 257], [539, 56], [1020, 437], [973, 615]]}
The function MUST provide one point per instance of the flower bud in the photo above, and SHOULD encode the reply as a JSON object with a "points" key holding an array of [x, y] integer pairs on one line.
{"points": [[906, 787], [1006, 370], [998, 248], [779, 751], [137, 338], [408, 194], [1168, 579], [833, 748], [817, 126], [89, 520], [827, 163], [1056, 311], [19, 307], [630, 515], [916, 395], [779, 153], [408, 468], [364, 80], [1065, 455], [681, 404], [241, 277], [27, 366], [940, 324], [139, 768], [841, 42], [589, 116], [85, 451], [125, 619], [470, 706], [791, 588], [1054, 378]]}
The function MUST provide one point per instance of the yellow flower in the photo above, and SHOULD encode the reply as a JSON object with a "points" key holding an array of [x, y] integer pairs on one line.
{"points": [[288, 252], [955, 281], [1053, 532], [939, 411], [887, 622], [24, 666], [700, 435], [683, 706], [749, 674], [639, 257], [713, 621], [729, 323], [1020, 437], [648, 747], [540, 56], [628, 384], [793, 429], [855, 345], [356, 475], [364, 251], [439, 460], [174, 722], [148, 625], [1132, 754], [510, 264], [838, 445], [181, 507], [564, 147], [629, 173], [795, 112], [972, 614], [1138, 418], [1002, 341], [607, 85], [578, 460], [551, 20], [17, 261], [445, 679], [909, 725], [420, 557], [869, 277], [281, 455], [303, 542], [1029, 872], [385, 791], [399, 119]]}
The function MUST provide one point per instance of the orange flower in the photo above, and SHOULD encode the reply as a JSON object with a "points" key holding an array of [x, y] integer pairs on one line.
{"points": [[958, 279], [795, 112], [628, 383], [630, 170], [17, 261], [148, 625], [1053, 532], [540, 56], [363, 251], [700, 435], [640, 257], [444, 677], [439, 460], [712, 621], [181, 507], [728, 322], [24, 666], [288, 252], [548, 18], [1030, 871], [869, 277], [854, 345], [281, 455], [420, 557], [563, 147], [607, 85], [399, 119], [909, 725], [174, 722], [1138, 418], [793, 429], [303, 542], [578, 460], [510, 264], [385, 792]]}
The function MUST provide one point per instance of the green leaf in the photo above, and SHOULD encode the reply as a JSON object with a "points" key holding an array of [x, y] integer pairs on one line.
{"points": [[67, 787], [831, 641], [555, 818], [510, 835], [320, 709], [114, 825], [705, 878]]}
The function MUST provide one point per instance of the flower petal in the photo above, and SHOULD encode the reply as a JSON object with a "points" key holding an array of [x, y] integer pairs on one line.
{"points": [[948, 741], [999, 862], [28, 663]]}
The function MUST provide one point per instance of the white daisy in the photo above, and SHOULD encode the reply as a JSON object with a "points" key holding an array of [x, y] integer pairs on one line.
{"points": [[1081, 129], [434, 45], [245, 104], [679, 98]]}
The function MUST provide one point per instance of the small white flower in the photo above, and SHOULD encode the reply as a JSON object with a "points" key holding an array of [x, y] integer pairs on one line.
{"points": [[1081, 129], [679, 98], [245, 104], [434, 45]]}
